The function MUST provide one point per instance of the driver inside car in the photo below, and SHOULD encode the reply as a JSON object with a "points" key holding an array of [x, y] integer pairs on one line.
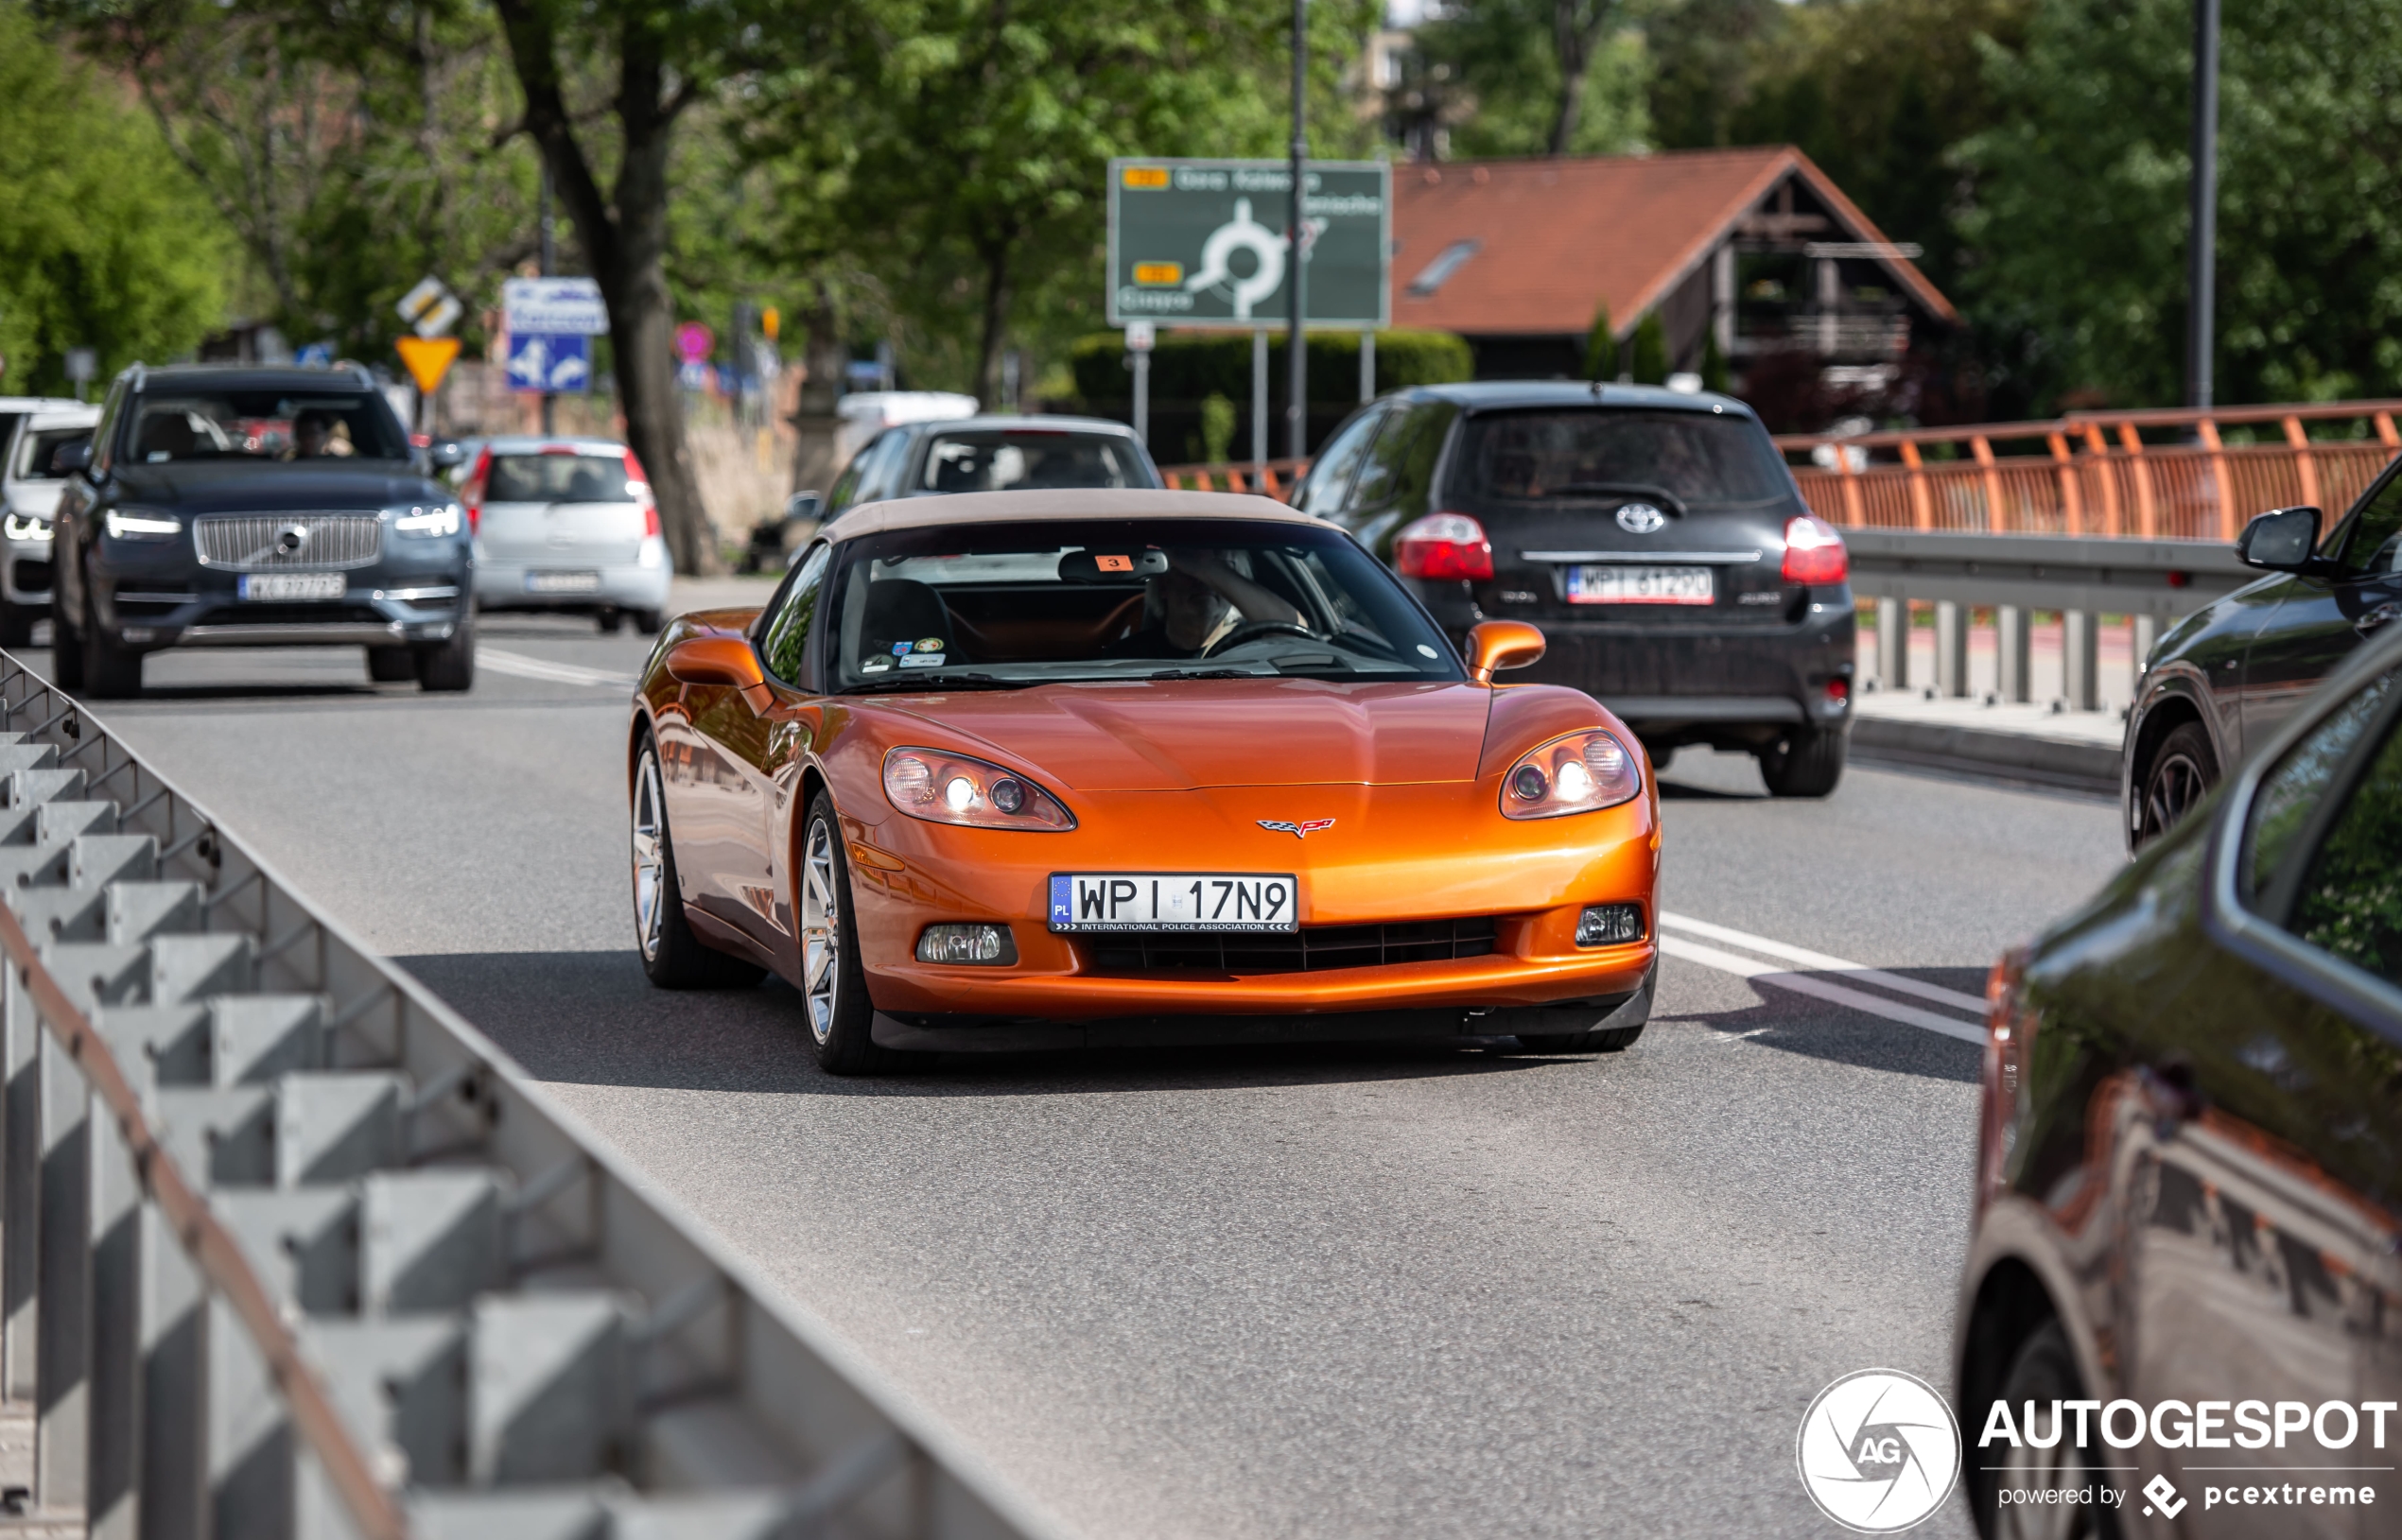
{"points": [[1197, 602]]}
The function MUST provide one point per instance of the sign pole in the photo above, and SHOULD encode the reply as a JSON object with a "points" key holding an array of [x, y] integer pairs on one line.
{"points": [[550, 258], [1258, 398], [1367, 366], [1140, 337], [1297, 390], [2202, 254]]}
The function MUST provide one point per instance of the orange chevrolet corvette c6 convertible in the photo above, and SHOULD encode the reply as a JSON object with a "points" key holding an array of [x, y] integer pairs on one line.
{"points": [[1026, 770]]}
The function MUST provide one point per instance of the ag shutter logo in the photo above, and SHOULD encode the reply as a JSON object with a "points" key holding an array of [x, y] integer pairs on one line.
{"points": [[1879, 1451]]}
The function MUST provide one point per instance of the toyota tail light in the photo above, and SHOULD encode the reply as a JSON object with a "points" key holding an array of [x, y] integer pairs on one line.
{"points": [[1813, 553], [637, 486], [471, 494], [1443, 548]]}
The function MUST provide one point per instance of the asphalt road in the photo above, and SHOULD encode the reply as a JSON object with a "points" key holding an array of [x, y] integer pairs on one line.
{"points": [[1296, 1293]]}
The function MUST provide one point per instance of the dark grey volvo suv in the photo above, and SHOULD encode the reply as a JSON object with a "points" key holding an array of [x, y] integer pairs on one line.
{"points": [[1657, 538], [238, 507]]}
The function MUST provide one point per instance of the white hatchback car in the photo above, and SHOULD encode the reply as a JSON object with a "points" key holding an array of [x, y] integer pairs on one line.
{"points": [[30, 488], [568, 525]]}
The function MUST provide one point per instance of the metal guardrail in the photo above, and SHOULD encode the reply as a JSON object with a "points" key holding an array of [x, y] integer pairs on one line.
{"points": [[289, 1249], [2082, 577]]}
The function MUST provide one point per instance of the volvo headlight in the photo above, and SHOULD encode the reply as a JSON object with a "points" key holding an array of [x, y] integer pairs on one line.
{"points": [[25, 527], [141, 524], [429, 520], [1579, 773]]}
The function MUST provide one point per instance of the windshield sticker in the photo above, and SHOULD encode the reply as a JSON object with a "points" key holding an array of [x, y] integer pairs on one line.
{"points": [[878, 664], [900, 649], [922, 660], [930, 644]]}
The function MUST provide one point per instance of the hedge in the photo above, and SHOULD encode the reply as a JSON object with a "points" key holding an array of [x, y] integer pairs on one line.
{"points": [[1193, 366]]}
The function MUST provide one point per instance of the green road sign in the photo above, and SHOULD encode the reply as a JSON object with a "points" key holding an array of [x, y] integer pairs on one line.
{"points": [[1202, 242]]}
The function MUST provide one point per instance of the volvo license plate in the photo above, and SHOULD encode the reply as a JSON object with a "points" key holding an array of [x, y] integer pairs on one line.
{"points": [[563, 582], [285, 587], [1640, 585], [1175, 901]]}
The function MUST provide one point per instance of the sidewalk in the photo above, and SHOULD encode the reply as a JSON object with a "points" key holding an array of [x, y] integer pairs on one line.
{"points": [[2077, 749]]}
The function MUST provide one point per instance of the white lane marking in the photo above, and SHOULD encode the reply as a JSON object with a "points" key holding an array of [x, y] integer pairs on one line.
{"points": [[1973, 1004], [543, 669], [1800, 983]]}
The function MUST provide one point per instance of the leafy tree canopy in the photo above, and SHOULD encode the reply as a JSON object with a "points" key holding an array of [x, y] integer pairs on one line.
{"points": [[104, 242]]}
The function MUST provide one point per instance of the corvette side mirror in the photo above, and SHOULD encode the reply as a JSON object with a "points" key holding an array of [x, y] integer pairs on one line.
{"points": [[726, 661], [2280, 540], [1501, 644]]}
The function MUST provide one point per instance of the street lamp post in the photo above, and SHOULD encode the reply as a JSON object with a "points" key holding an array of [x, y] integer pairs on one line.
{"points": [[2201, 257], [1298, 357]]}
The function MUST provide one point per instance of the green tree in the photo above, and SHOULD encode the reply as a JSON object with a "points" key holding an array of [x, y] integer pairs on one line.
{"points": [[1647, 350], [1601, 348], [2078, 230], [1540, 77], [104, 243]]}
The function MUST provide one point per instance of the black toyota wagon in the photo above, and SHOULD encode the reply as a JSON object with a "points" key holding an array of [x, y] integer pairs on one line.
{"points": [[237, 507], [1656, 537]]}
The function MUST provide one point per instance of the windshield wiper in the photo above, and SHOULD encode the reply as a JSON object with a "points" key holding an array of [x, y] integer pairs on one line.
{"points": [[1203, 673], [939, 682]]}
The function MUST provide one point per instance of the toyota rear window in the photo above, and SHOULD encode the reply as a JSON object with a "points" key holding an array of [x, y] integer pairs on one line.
{"points": [[1600, 452]]}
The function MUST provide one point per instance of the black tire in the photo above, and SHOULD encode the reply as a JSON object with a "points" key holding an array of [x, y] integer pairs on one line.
{"points": [[391, 664], [16, 625], [2183, 771], [448, 667], [834, 1002], [1805, 762], [646, 621], [609, 622], [2042, 1370], [672, 956], [111, 670]]}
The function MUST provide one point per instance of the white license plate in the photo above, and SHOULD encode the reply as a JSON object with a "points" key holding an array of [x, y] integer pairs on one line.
{"points": [[563, 582], [1640, 585], [284, 587], [1173, 901]]}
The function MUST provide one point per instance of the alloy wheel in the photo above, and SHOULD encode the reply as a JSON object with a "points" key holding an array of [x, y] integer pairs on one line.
{"points": [[650, 854], [2176, 784], [821, 930]]}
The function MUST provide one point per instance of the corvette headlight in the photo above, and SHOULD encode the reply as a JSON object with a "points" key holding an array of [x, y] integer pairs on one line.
{"points": [[429, 521], [945, 788], [25, 527], [141, 524], [1580, 773]]}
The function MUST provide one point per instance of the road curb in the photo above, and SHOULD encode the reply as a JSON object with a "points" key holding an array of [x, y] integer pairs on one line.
{"points": [[2081, 767]]}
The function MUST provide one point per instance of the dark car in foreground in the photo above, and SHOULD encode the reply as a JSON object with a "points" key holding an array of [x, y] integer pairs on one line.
{"points": [[241, 507], [2227, 676], [992, 453], [1656, 537], [2189, 1182]]}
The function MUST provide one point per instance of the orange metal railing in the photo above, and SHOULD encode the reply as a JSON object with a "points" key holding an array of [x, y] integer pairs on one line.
{"points": [[2097, 472], [1276, 479]]}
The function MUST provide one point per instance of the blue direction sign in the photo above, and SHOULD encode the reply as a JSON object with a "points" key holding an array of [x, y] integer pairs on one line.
{"points": [[550, 362]]}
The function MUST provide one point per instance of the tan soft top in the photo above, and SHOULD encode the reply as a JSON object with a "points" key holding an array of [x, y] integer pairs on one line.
{"points": [[1067, 503]]}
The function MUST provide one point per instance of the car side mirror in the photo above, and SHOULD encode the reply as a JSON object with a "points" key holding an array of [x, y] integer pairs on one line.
{"points": [[447, 453], [1501, 644], [802, 505], [725, 661], [2281, 540], [72, 456]]}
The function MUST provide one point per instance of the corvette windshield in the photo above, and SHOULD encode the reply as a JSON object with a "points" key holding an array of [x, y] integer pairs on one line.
{"points": [[1015, 604]]}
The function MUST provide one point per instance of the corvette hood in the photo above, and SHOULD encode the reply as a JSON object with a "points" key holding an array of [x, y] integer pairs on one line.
{"points": [[1187, 734]]}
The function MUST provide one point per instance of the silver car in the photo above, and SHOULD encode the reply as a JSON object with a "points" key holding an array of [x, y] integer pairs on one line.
{"points": [[567, 525], [29, 487]]}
